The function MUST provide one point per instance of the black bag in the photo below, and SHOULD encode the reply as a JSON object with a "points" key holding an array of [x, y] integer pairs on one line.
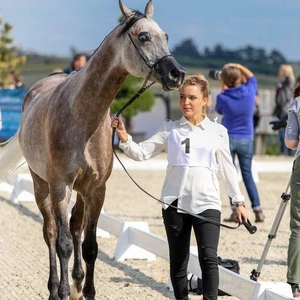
{"points": [[229, 264]]}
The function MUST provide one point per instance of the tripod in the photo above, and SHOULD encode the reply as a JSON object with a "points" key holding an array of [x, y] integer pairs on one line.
{"points": [[272, 235]]}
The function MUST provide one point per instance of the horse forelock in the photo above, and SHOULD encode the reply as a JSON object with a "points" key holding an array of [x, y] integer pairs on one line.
{"points": [[129, 22]]}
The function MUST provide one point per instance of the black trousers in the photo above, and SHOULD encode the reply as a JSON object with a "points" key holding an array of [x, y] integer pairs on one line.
{"points": [[178, 228]]}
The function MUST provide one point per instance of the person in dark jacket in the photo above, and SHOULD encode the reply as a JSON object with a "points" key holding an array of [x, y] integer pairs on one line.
{"points": [[236, 104], [79, 60], [283, 100]]}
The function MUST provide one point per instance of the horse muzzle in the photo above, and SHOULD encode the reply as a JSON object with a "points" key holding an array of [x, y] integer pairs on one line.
{"points": [[169, 73]]}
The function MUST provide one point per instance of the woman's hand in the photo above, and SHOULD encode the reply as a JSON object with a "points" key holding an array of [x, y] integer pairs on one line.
{"points": [[245, 71], [241, 214], [118, 124]]}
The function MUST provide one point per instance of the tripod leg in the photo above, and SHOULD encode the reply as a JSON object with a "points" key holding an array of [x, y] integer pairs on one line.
{"points": [[272, 235]]}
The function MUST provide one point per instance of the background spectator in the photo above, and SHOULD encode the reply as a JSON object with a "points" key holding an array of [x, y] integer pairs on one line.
{"points": [[283, 99], [236, 103], [79, 60]]}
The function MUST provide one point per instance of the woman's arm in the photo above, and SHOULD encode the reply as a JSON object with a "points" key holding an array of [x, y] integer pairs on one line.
{"points": [[229, 176], [292, 128], [245, 71], [146, 149]]}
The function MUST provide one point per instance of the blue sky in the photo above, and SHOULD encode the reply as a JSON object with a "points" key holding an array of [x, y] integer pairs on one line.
{"points": [[53, 27]]}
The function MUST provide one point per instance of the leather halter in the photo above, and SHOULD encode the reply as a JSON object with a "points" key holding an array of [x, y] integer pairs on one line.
{"points": [[151, 68]]}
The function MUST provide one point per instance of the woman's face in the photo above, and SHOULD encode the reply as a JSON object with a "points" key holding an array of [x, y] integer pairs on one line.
{"points": [[192, 103]]}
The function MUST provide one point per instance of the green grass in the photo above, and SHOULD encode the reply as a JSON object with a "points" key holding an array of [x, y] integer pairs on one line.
{"points": [[38, 67]]}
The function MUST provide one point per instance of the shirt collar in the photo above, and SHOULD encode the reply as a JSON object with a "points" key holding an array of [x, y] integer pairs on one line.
{"points": [[203, 124]]}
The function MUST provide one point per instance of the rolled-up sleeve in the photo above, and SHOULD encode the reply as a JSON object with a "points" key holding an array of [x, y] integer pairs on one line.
{"points": [[292, 127], [148, 148]]}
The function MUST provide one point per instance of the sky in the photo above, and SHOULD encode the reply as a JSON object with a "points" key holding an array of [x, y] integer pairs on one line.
{"points": [[53, 27]]}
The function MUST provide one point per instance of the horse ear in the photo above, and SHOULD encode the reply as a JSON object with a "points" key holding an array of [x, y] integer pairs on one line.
{"points": [[149, 9], [125, 10]]}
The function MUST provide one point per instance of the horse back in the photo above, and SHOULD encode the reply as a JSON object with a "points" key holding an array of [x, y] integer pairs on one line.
{"points": [[43, 87]]}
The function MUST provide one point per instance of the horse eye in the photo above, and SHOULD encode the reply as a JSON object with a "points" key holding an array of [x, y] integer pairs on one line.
{"points": [[167, 37], [144, 37]]}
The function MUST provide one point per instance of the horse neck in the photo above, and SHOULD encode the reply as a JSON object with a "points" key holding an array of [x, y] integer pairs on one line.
{"points": [[99, 82]]}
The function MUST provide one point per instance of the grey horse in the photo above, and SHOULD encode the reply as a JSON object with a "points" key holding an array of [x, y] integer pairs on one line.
{"points": [[65, 138]]}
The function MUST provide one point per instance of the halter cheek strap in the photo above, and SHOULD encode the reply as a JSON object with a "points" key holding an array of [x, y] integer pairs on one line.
{"points": [[151, 68]]}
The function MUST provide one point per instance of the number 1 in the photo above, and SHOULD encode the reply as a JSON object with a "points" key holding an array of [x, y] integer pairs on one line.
{"points": [[187, 145]]}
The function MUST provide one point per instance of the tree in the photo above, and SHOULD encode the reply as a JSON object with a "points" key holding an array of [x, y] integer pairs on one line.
{"points": [[277, 58], [129, 88], [187, 48], [9, 57]]}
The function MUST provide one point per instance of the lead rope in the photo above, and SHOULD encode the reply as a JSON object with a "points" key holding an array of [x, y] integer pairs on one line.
{"points": [[248, 225]]}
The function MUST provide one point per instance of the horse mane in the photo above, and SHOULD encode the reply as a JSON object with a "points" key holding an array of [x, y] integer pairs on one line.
{"points": [[55, 73]]}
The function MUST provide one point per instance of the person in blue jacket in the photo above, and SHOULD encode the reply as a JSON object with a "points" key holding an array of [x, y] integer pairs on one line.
{"points": [[235, 103]]}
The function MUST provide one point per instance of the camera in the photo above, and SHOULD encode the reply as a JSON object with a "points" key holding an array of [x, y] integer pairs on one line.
{"points": [[215, 74], [276, 125]]}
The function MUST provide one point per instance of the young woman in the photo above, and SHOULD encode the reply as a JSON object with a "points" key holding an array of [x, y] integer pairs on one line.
{"points": [[196, 150]]}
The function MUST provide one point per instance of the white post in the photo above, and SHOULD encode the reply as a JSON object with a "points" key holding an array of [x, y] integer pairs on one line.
{"points": [[125, 249], [23, 189]]}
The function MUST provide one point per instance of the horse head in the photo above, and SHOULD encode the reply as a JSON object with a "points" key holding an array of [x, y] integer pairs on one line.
{"points": [[145, 49]]}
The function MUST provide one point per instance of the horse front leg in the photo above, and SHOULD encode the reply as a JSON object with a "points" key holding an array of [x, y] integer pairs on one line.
{"points": [[76, 227], [60, 196], [42, 197], [93, 205]]}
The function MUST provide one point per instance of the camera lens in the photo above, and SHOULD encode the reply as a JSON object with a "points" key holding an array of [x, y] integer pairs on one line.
{"points": [[215, 74]]}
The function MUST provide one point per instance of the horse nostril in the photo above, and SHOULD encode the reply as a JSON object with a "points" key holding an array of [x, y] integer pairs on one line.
{"points": [[175, 73]]}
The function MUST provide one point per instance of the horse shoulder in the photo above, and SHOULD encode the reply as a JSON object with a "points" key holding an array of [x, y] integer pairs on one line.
{"points": [[43, 87]]}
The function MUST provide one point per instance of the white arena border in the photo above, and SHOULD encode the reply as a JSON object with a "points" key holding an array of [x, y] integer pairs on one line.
{"points": [[136, 242], [159, 164]]}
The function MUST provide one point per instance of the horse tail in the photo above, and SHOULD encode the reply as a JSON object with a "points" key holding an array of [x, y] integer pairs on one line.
{"points": [[11, 157]]}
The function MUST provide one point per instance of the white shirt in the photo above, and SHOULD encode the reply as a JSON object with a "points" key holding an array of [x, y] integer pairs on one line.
{"points": [[195, 155]]}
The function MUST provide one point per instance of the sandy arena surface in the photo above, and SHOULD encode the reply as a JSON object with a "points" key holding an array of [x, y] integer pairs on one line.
{"points": [[24, 255]]}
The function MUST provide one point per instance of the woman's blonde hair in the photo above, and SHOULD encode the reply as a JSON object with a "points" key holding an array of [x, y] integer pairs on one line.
{"points": [[287, 71], [201, 82]]}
